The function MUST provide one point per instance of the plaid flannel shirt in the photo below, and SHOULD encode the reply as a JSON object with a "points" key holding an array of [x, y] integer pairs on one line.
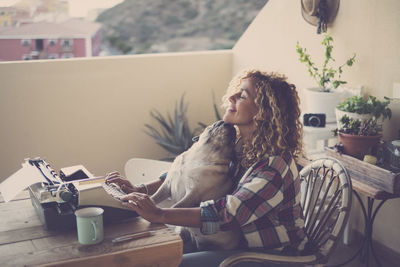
{"points": [[265, 205]]}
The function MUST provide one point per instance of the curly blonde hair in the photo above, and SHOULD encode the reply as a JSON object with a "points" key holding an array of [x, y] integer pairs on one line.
{"points": [[278, 126]]}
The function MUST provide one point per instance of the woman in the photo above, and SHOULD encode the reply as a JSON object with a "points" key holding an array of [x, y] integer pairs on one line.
{"points": [[264, 204]]}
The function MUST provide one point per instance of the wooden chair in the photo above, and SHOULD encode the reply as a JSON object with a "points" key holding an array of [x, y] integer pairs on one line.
{"points": [[326, 201], [139, 170]]}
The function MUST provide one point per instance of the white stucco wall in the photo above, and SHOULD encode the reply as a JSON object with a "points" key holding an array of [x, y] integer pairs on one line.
{"points": [[370, 28], [93, 111]]}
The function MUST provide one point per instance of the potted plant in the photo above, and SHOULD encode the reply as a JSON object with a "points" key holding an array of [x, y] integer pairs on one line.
{"points": [[358, 107], [358, 137], [323, 98], [175, 135]]}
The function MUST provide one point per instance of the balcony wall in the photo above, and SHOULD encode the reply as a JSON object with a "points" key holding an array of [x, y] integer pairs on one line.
{"points": [[93, 111], [370, 28]]}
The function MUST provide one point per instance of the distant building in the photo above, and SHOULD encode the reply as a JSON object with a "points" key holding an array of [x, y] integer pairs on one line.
{"points": [[12, 17], [6, 14], [51, 6], [43, 10], [45, 40]]}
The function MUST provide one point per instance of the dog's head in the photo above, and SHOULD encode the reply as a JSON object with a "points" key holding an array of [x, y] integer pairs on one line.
{"points": [[219, 138]]}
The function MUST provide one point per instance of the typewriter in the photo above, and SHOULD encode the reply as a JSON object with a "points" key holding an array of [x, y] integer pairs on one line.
{"points": [[59, 195]]}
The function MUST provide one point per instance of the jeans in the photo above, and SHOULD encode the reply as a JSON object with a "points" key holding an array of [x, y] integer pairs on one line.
{"points": [[192, 257], [214, 258]]}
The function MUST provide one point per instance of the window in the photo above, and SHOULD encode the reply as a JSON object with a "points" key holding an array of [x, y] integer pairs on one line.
{"points": [[67, 42], [52, 42], [25, 42], [39, 44]]}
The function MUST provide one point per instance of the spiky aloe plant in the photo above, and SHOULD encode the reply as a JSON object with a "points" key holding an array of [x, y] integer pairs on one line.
{"points": [[174, 134]]}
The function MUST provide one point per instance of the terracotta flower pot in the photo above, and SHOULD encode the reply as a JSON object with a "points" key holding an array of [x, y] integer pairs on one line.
{"points": [[356, 145]]}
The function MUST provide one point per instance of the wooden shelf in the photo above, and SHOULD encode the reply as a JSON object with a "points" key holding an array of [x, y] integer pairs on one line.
{"points": [[380, 182]]}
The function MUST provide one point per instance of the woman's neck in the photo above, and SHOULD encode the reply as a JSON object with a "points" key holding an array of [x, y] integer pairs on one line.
{"points": [[245, 133]]}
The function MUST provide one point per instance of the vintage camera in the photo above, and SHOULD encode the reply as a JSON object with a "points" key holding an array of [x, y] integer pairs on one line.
{"points": [[314, 119]]}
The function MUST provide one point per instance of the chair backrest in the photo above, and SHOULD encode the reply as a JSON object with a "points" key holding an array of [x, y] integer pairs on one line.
{"points": [[139, 170], [326, 202]]}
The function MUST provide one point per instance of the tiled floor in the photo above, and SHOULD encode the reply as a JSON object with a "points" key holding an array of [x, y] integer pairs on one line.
{"points": [[343, 253]]}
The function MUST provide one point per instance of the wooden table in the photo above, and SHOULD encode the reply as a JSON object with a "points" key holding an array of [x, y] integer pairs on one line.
{"points": [[25, 242]]}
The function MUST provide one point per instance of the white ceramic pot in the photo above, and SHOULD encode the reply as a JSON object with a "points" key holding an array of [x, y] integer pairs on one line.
{"points": [[316, 101]]}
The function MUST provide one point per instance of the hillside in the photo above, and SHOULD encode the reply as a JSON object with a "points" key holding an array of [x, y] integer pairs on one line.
{"points": [[151, 26]]}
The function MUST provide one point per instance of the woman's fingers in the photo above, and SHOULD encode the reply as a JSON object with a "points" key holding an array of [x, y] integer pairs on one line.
{"points": [[133, 196], [143, 201], [117, 180], [123, 183], [133, 201], [113, 178], [143, 205], [131, 204], [112, 174], [127, 189]]}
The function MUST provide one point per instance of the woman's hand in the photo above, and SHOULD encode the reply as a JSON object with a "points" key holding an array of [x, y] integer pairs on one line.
{"points": [[123, 183], [144, 206]]}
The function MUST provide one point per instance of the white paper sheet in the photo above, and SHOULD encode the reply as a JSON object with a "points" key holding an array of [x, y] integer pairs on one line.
{"points": [[20, 180]]}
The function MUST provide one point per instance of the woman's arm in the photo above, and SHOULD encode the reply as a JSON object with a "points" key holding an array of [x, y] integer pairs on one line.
{"points": [[152, 187], [145, 207], [182, 216]]}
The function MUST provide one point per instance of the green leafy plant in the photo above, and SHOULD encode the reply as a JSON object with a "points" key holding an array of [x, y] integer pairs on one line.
{"points": [[356, 127], [174, 135], [324, 76], [370, 105]]}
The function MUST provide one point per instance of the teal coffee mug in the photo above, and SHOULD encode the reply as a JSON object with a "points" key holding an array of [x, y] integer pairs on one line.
{"points": [[89, 223]]}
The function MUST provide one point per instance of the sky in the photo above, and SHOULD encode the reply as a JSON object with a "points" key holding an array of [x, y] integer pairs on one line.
{"points": [[7, 2], [77, 8]]}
